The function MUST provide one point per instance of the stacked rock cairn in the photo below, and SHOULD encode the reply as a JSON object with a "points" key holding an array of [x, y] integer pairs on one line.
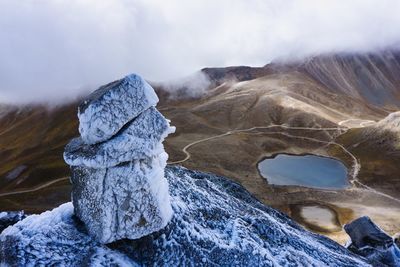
{"points": [[117, 164]]}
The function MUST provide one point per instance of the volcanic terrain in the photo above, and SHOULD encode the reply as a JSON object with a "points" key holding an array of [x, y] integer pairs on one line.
{"points": [[330, 105]]}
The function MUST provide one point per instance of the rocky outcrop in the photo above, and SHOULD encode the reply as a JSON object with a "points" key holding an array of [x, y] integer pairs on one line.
{"points": [[8, 218], [119, 190], [396, 239], [54, 238], [216, 223], [140, 138], [385, 133], [111, 106], [390, 123], [371, 242], [130, 200]]}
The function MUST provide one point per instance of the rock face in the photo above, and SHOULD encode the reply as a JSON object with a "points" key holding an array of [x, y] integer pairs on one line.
{"points": [[216, 223], [111, 106], [130, 200], [396, 238], [119, 190], [8, 218], [390, 123], [369, 241], [140, 138], [54, 238]]}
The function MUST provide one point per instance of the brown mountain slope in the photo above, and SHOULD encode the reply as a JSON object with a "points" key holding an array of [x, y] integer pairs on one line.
{"points": [[31, 144], [373, 78]]}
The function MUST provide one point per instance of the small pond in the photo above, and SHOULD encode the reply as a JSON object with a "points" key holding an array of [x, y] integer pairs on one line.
{"points": [[321, 217], [304, 170]]}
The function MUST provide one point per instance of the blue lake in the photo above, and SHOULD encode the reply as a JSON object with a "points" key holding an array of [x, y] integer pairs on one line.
{"points": [[304, 170]]}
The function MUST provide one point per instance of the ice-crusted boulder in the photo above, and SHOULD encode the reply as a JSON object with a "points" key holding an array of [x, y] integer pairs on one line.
{"points": [[130, 200], [113, 105], [140, 138], [55, 238], [118, 185], [369, 241], [216, 223]]}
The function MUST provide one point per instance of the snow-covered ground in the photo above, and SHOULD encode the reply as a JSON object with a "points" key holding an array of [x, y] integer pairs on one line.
{"points": [[216, 223]]}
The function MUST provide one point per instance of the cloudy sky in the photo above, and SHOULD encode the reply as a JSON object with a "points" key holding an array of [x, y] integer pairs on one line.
{"points": [[56, 49]]}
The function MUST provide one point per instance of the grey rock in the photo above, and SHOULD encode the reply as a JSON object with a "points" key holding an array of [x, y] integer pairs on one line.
{"points": [[371, 242], [363, 232], [8, 218], [55, 238], [104, 112], [129, 200], [396, 239], [141, 138], [119, 190], [216, 223]]}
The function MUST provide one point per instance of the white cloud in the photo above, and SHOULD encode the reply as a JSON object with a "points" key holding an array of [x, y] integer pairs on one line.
{"points": [[56, 49]]}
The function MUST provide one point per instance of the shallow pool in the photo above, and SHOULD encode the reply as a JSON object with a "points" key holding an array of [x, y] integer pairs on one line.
{"points": [[321, 217], [304, 170]]}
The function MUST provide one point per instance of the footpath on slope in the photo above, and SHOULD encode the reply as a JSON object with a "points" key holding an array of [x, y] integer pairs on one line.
{"points": [[356, 164]]}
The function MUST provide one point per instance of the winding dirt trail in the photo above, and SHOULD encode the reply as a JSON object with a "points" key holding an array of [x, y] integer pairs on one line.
{"points": [[355, 168], [187, 154], [356, 164]]}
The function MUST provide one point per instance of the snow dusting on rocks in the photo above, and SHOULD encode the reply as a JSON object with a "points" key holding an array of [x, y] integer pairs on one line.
{"points": [[130, 200], [216, 222], [111, 106], [119, 190], [54, 238], [139, 139]]}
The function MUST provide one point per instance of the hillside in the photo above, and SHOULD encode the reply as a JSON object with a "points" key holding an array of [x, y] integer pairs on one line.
{"points": [[246, 114]]}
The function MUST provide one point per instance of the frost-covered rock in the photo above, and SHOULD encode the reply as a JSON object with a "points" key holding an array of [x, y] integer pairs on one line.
{"points": [[369, 241], [111, 106], [139, 139], [216, 223], [396, 238], [130, 200], [8, 218], [55, 238], [118, 185]]}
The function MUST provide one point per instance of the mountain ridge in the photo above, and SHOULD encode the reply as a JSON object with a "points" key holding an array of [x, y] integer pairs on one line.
{"points": [[269, 98]]}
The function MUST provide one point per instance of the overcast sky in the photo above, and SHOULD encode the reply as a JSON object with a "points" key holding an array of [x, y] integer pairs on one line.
{"points": [[56, 49]]}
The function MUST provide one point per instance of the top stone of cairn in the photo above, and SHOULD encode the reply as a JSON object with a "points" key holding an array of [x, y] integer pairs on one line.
{"points": [[111, 106]]}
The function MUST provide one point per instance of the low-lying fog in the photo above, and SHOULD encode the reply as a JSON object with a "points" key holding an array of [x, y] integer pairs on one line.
{"points": [[55, 50]]}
